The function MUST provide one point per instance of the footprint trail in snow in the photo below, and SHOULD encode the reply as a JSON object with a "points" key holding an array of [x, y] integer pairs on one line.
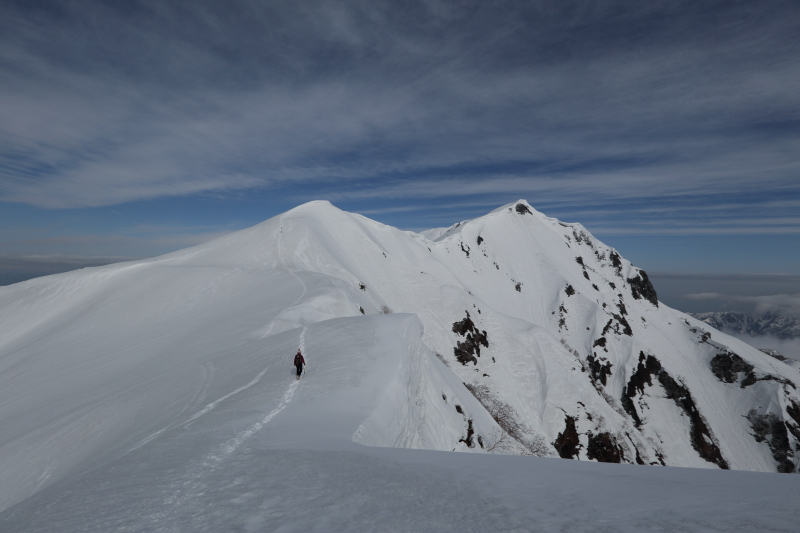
{"points": [[194, 484]]}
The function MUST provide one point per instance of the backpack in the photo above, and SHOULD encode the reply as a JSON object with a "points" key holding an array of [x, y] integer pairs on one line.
{"points": [[298, 359]]}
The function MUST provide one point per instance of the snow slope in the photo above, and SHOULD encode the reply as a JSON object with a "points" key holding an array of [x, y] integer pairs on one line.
{"points": [[151, 386], [278, 455]]}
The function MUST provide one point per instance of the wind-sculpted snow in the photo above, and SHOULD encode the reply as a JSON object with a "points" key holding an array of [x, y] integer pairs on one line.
{"points": [[170, 379]]}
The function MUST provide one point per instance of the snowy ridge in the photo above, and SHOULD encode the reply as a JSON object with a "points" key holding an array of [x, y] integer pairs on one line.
{"points": [[105, 365]]}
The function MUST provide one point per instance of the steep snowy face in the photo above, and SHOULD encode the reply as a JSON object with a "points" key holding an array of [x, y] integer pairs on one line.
{"points": [[646, 384], [554, 334]]}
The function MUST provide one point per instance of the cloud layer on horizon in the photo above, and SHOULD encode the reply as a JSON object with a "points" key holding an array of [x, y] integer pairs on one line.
{"points": [[785, 304], [607, 106]]}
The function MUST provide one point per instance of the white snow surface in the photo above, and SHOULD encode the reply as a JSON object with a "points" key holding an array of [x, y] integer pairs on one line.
{"points": [[159, 395]]}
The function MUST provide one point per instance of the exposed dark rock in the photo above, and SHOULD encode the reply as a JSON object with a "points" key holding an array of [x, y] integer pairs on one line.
{"points": [[621, 321], [459, 409], [772, 429], [467, 350], [598, 370], [604, 448], [626, 328], [569, 290], [470, 432], [518, 286], [630, 408], [616, 261], [562, 322], [612, 285], [522, 209], [794, 429], [582, 236], [464, 353], [794, 411], [579, 260], [567, 443], [362, 286], [639, 460], [362, 310], [622, 310], [774, 354], [464, 326], [595, 287], [699, 433], [752, 378], [727, 365], [642, 288], [660, 458], [648, 367], [599, 342], [586, 275], [702, 334], [480, 240], [465, 249]]}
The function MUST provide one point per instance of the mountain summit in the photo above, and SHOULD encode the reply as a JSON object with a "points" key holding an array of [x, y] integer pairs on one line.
{"points": [[511, 333]]}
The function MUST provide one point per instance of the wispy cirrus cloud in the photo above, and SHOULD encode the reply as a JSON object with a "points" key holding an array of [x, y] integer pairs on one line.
{"points": [[362, 100]]}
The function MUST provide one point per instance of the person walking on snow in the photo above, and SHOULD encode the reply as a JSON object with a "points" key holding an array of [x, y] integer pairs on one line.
{"points": [[299, 362]]}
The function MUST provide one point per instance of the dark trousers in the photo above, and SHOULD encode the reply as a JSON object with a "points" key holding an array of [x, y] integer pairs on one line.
{"points": [[299, 369]]}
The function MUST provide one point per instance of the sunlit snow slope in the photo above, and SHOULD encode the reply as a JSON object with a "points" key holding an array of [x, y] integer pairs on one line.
{"points": [[154, 377]]}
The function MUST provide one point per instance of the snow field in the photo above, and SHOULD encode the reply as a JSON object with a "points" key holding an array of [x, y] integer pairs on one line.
{"points": [[162, 391], [279, 456]]}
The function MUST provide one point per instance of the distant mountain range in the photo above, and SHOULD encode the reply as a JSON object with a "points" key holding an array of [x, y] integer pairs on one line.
{"points": [[783, 327]]}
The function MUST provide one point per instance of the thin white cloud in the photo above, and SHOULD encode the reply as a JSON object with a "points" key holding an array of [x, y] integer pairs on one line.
{"points": [[403, 112], [788, 304], [705, 296]]}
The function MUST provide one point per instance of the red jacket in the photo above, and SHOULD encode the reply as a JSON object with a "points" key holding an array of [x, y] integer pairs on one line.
{"points": [[298, 360]]}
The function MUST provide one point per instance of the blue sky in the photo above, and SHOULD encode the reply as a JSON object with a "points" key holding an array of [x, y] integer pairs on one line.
{"points": [[671, 130]]}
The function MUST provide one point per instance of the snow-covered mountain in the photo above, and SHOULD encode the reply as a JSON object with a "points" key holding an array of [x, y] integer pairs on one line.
{"points": [[511, 333], [780, 326]]}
